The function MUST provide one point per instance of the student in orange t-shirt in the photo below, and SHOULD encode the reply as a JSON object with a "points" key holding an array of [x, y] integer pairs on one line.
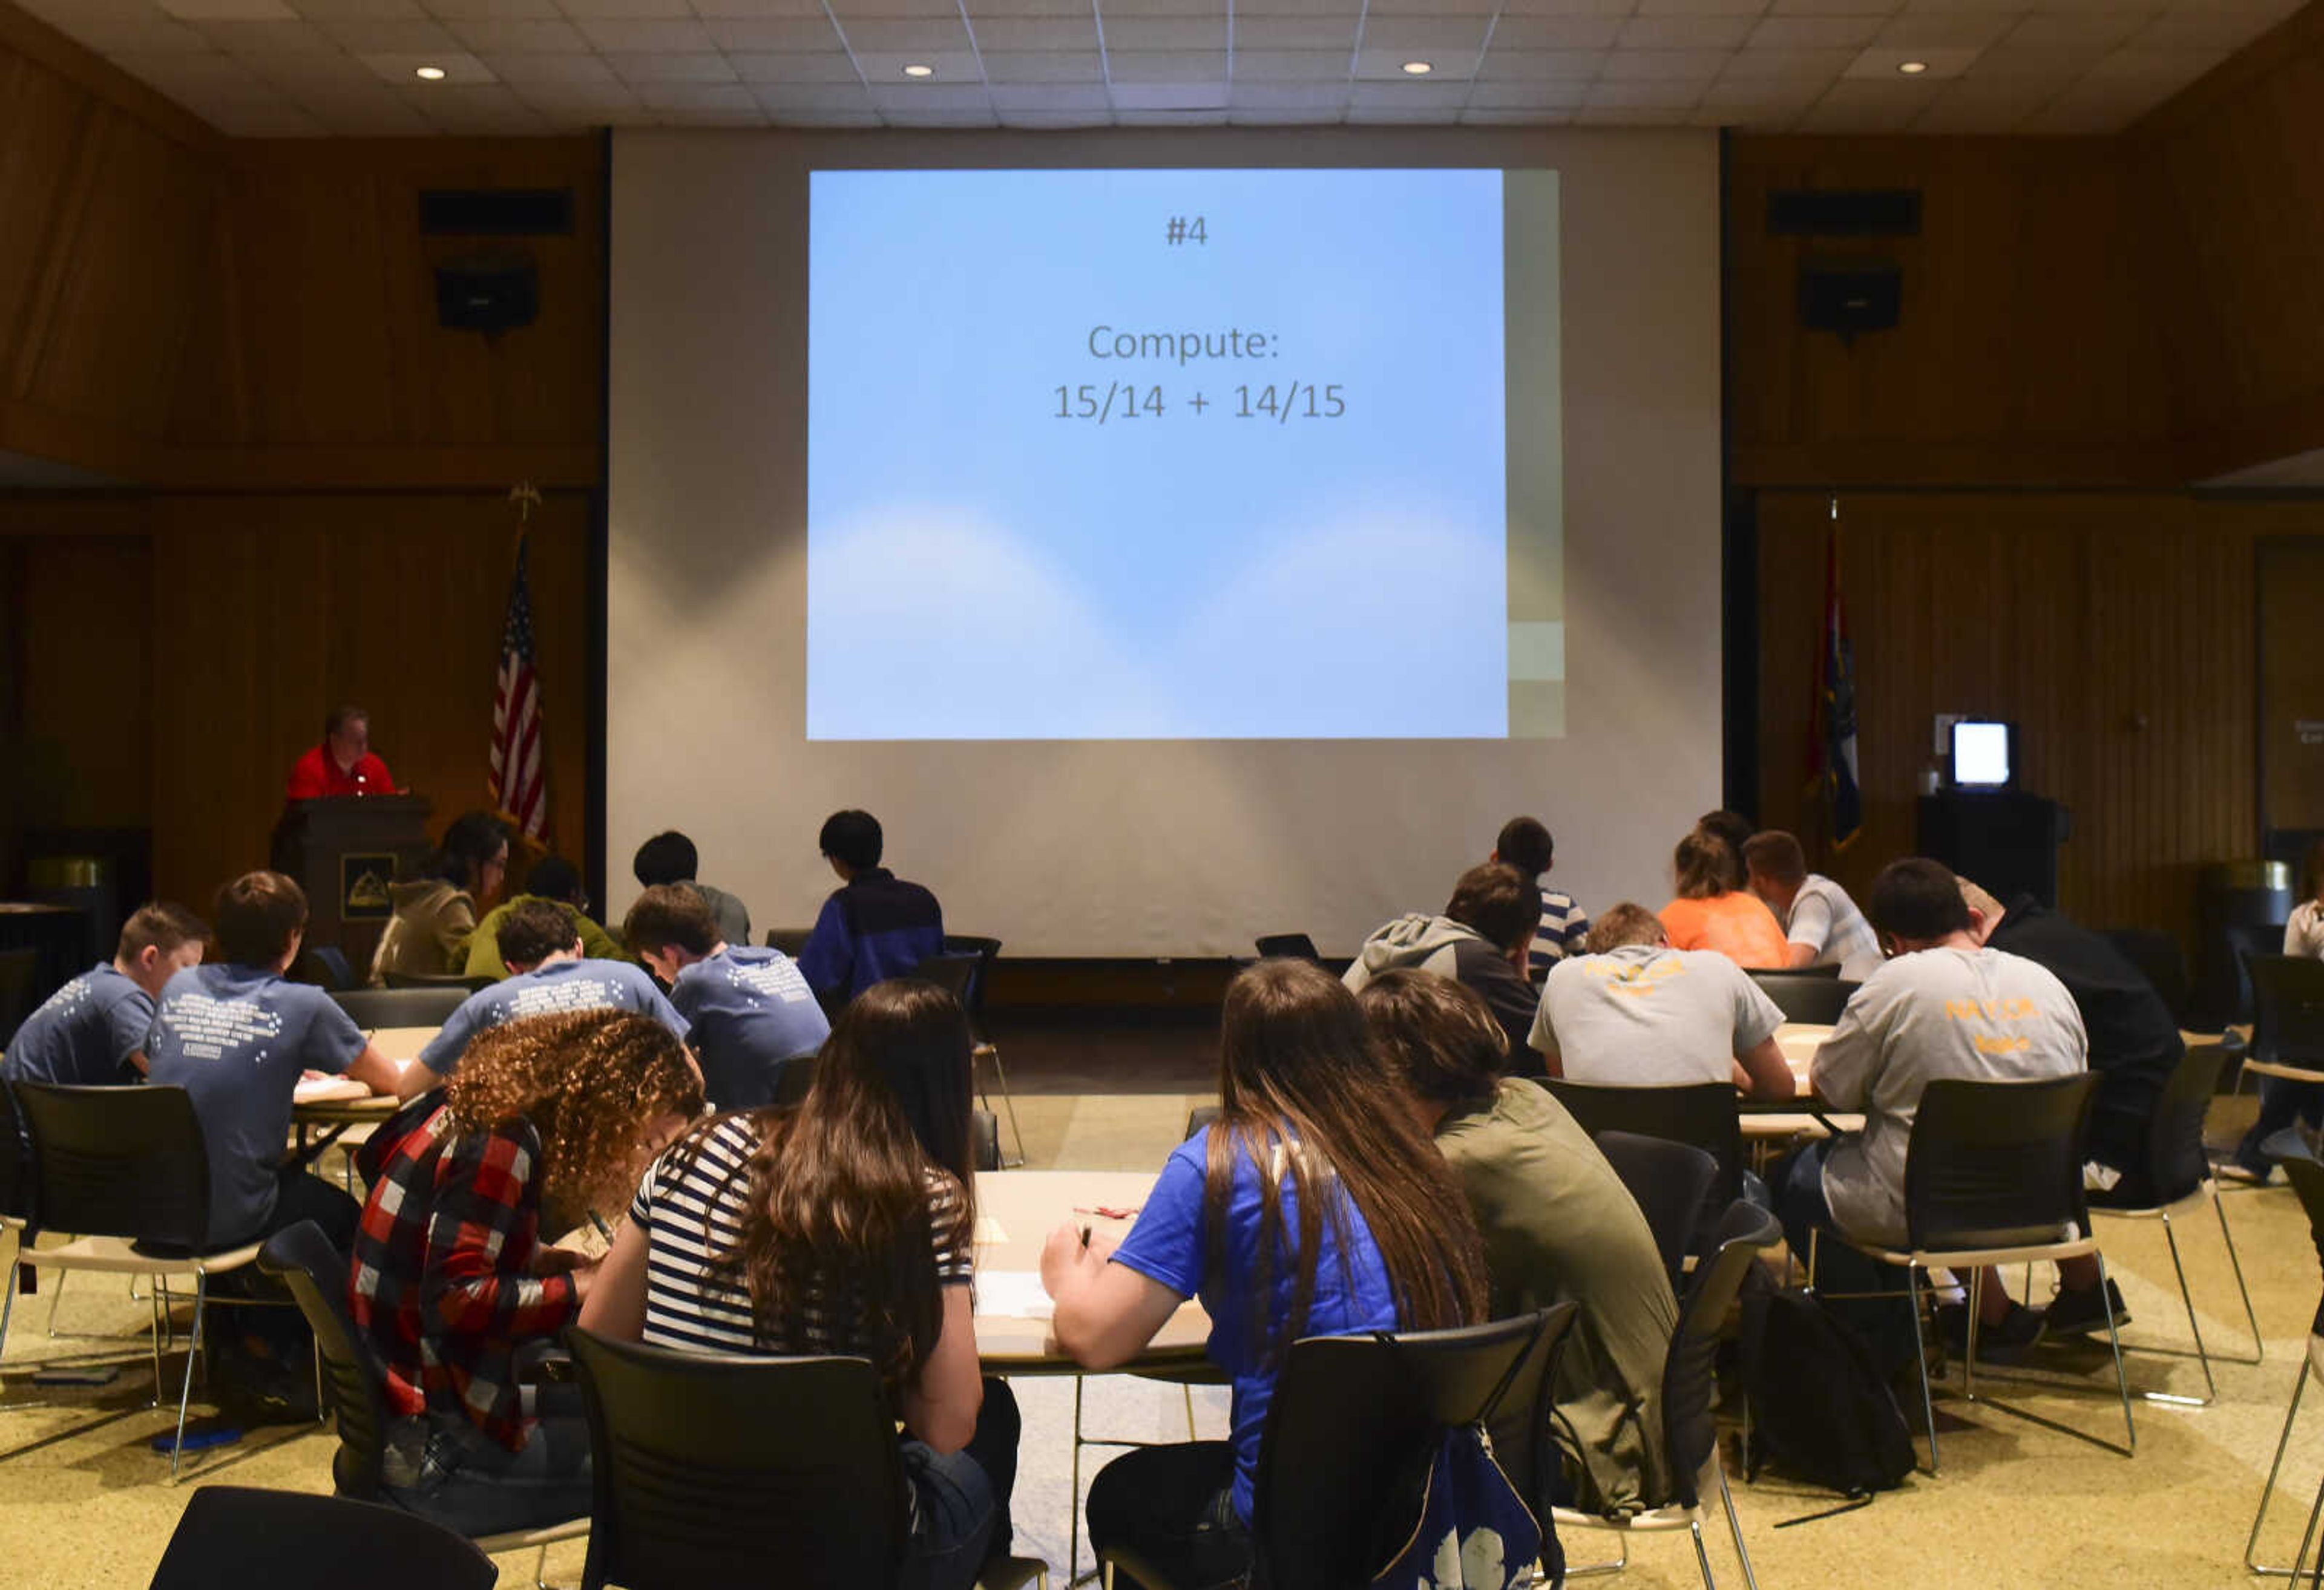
{"points": [[1713, 910]]}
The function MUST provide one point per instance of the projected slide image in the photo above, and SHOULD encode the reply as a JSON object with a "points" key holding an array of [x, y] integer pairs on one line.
{"points": [[1182, 455]]}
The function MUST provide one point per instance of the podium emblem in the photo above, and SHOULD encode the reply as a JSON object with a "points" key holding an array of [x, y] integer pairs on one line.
{"points": [[363, 878]]}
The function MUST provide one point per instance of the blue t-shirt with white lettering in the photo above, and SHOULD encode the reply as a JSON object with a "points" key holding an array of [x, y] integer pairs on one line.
{"points": [[548, 990], [84, 1036], [236, 1038], [1171, 1244], [750, 1011]]}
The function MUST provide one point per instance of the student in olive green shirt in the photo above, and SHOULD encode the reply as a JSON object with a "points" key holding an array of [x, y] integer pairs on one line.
{"points": [[555, 879], [1558, 1225]]}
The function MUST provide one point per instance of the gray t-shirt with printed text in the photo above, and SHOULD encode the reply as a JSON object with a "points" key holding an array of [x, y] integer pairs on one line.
{"points": [[1644, 1016]]}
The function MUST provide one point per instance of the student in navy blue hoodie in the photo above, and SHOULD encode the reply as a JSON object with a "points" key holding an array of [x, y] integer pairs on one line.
{"points": [[875, 926]]}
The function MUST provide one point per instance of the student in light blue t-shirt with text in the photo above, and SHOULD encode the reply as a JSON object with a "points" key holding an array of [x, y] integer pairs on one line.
{"points": [[752, 1016]]}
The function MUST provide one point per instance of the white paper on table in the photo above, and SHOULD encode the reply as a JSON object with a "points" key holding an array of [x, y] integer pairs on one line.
{"points": [[323, 1090], [1013, 1294]]}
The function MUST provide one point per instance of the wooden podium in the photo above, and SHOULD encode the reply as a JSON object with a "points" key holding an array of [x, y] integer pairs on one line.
{"points": [[345, 850]]}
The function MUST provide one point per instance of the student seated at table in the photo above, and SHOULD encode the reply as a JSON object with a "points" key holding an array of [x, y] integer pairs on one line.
{"points": [[452, 1273], [557, 881], [2284, 1104], [846, 1226], [1714, 911], [748, 1010], [1524, 843], [1558, 1225], [236, 1037], [547, 973], [91, 1033], [875, 926], [1944, 1005], [671, 857], [1315, 1176], [1636, 1013], [1822, 925], [436, 907], [1483, 941]]}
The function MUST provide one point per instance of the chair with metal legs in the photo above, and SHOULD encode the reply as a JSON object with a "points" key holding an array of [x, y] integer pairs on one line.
{"points": [[1689, 1379], [2308, 1183], [2179, 1173], [123, 1169], [1993, 1176], [986, 1051]]}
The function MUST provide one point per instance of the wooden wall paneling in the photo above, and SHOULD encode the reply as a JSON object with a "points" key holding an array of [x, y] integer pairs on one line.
{"points": [[2291, 665], [393, 602]]}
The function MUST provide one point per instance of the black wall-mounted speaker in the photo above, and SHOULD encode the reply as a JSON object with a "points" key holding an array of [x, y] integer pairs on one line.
{"points": [[489, 292], [1851, 297]]}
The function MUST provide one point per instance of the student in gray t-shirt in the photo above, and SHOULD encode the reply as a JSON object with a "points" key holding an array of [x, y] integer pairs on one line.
{"points": [[1822, 925], [91, 1033], [542, 951], [1944, 1007], [750, 1013], [1636, 1013]]}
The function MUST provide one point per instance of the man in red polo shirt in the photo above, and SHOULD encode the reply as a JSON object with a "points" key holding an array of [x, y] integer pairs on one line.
{"points": [[343, 763]]}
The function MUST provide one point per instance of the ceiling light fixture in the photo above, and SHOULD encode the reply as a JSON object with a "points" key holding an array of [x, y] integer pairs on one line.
{"points": [[1911, 69], [919, 69], [433, 74], [1418, 68]]}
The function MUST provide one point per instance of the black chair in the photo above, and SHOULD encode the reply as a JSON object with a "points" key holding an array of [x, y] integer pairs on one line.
{"points": [[1288, 947], [790, 941], [1200, 1119], [962, 974], [1993, 1175], [793, 1077], [1670, 1181], [2307, 1177], [123, 1171], [353, 1381], [15, 1166], [413, 980], [231, 1537], [2159, 960], [371, 1008], [1689, 1386], [1352, 1416], [19, 971], [2287, 1016], [1814, 996], [2246, 942], [326, 967], [2180, 1173], [1703, 1114], [713, 1468]]}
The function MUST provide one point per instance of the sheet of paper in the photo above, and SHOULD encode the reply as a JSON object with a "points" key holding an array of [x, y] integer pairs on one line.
{"points": [[990, 1231], [327, 1089], [1014, 1294]]}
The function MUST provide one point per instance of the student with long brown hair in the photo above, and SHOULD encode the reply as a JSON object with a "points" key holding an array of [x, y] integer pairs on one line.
{"points": [[1714, 911], [845, 1226], [1315, 1207], [548, 1118]]}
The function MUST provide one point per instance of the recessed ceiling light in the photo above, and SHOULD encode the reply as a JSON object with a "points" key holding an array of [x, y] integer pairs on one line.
{"points": [[919, 69], [434, 74], [1911, 69], [1418, 68]]}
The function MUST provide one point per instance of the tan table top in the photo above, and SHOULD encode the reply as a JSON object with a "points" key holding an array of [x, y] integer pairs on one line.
{"points": [[1016, 1210], [401, 1044]]}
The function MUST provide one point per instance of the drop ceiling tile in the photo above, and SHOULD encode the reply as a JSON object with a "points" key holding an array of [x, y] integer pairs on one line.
{"points": [[523, 36], [849, 119], [1424, 33], [930, 96], [701, 97], [1114, 8], [623, 10], [117, 34], [790, 96], [1165, 32], [1869, 107], [986, 118], [414, 37], [2054, 63], [717, 11], [1541, 65], [1038, 120], [2162, 66], [1769, 96], [639, 69], [1438, 98], [399, 69], [492, 10], [1685, 32], [1347, 8], [1815, 65], [1838, 7], [1043, 66], [1703, 7], [978, 10], [547, 68], [1317, 95], [1884, 61], [578, 98], [305, 73], [1569, 7], [1814, 32], [1967, 29], [1292, 66], [229, 10], [268, 38], [891, 34], [1294, 32], [377, 112], [1664, 66], [1036, 33], [647, 36], [1285, 118], [1555, 32], [804, 65], [1643, 95], [1169, 97], [1171, 116], [488, 108], [357, 10], [1475, 116], [1387, 65], [1528, 96], [2105, 29], [1617, 115], [775, 34], [1167, 65], [1080, 98]]}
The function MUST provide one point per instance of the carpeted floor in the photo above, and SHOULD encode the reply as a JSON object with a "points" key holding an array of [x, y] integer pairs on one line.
{"points": [[84, 1502]]}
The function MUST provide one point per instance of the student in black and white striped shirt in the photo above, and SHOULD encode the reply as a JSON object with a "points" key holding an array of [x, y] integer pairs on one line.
{"points": [[751, 1236], [1526, 845]]}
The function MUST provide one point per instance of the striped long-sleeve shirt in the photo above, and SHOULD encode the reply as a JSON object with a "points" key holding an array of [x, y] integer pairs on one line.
{"points": [[442, 1282]]}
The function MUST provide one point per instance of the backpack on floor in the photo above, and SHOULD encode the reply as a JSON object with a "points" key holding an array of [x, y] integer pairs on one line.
{"points": [[1475, 1532], [1821, 1410]]}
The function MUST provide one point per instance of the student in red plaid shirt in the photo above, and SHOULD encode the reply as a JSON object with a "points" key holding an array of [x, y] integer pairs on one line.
{"points": [[547, 1119]]}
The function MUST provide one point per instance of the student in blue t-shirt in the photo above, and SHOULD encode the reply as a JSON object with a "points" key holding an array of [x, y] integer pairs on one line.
{"points": [[236, 1037], [1317, 1175], [91, 1033], [750, 1012], [542, 951]]}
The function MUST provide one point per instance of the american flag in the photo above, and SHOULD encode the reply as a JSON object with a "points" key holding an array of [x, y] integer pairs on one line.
{"points": [[520, 784]]}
